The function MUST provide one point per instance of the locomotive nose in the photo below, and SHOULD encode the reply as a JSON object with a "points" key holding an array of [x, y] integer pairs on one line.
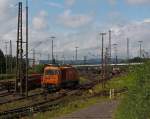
{"points": [[50, 77]]}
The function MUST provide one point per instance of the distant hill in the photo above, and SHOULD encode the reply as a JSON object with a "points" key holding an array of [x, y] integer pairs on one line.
{"points": [[90, 61]]}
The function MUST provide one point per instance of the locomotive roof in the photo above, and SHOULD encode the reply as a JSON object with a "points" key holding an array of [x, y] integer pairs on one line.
{"points": [[58, 66]]}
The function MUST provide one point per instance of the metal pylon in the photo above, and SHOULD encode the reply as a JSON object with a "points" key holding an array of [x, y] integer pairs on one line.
{"points": [[19, 53]]}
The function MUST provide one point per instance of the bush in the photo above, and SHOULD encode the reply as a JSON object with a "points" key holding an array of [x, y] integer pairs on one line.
{"points": [[39, 69]]}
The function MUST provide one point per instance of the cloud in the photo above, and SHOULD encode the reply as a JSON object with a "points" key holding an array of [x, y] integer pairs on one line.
{"points": [[70, 2], [39, 22], [74, 21], [57, 5], [138, 1], [147, 20], [135, 31], [8, 18], [89, 41]]}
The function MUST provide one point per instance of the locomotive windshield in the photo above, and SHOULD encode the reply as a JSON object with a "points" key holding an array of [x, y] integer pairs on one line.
{"points": [[52, 72]]}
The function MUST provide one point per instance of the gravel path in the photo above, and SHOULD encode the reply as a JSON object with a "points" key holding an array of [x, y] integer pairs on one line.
{"points": [[98, 111]]}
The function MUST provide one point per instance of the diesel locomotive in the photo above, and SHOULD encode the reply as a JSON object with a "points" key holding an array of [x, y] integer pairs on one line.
{"points": [[56, 77]]}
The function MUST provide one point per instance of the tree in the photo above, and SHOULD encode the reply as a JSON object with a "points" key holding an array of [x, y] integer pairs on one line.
{"points": [[2, 62], [39, 69]]}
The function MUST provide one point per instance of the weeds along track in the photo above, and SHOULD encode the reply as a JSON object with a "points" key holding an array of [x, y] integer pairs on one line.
{"points": [[4, 101], [15, 99], [51, 103], [26, 110], [48, 104]]}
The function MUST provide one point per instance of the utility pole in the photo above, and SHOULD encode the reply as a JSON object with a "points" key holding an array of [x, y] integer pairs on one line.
{"points": [[6, 55], [140, 42], [10, 55], [106, 61], [73, 59], [115, 51], [76, 50], [63, 59], [128, 52], [33, 58], [53, 59], [52, 52], [48, 59], [85, 59], [102, 60], [19, 53], [27, 36], [1, 60], [110, 46]]}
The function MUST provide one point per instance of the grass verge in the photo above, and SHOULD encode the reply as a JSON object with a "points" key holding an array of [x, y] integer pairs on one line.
{"points": [[70, 105], [136, 103]]}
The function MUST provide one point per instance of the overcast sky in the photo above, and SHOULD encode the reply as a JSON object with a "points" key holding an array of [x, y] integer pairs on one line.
{"points": [[78, 23]]}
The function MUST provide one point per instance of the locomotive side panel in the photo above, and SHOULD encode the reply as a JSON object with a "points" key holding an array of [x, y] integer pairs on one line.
{"points": [[69, 77]]}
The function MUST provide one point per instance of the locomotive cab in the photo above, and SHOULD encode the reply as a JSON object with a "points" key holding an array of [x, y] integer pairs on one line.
{"points": [[51, 78]]}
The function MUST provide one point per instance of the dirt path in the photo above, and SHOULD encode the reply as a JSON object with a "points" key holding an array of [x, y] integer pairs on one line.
{"points": [[103, 110]]}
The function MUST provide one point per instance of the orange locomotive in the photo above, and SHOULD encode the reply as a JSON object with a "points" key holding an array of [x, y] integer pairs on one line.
{"points": [[56, 77]]}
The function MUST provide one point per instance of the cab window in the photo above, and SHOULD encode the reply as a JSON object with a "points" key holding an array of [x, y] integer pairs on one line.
{"points": [[52, 72]]}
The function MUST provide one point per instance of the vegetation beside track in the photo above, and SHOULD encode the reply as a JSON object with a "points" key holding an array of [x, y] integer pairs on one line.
{"points": [[136, 103], [7, 76], [83, 80], [70, 104], [79, 102]]}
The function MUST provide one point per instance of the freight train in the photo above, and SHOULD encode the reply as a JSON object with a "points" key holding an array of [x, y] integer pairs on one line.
{"points": [[56, 77]]}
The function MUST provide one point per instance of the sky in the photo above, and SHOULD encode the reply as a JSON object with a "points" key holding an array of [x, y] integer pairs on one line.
{"points": [[78, 23]]}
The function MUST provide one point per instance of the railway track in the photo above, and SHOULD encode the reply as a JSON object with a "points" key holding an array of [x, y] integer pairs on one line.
{"points": [[18, 98], [38, 107], [88, 85], [4, 93], [5, 101], [49, 104], [46, 105]]}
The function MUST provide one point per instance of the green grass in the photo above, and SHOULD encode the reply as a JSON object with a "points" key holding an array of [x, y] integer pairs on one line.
{"points": [[121, 82], [69, 107], [136, 103], [83, 80]]}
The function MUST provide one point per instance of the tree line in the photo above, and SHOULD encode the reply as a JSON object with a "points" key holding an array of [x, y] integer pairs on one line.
{"points": [[7, 63]]}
